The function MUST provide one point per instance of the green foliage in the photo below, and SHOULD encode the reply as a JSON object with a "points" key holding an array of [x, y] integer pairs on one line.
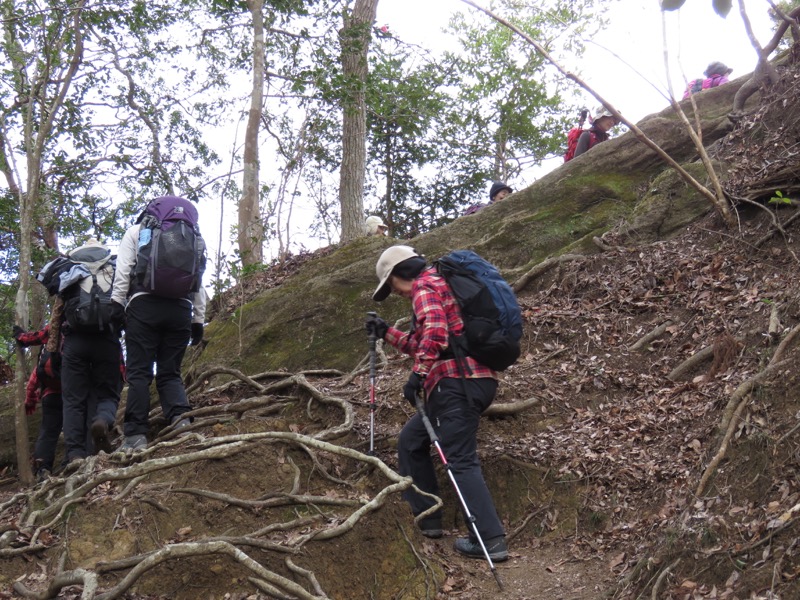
{"points": [[779, 198], [407, 102], [122, 126], [508, 91]]}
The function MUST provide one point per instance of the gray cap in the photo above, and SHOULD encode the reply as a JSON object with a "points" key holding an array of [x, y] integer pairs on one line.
{"points": [[390, 258], [717, 68]]}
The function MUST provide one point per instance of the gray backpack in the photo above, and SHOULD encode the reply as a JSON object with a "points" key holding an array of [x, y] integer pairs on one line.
{"points": [[86, 289]]}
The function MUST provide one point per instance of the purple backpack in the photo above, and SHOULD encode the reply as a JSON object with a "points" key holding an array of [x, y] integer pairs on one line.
{"points": [[171, 255], [473, 209]]}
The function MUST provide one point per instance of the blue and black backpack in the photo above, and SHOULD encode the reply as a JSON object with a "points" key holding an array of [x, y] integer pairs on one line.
{"points": [[489, 308]]}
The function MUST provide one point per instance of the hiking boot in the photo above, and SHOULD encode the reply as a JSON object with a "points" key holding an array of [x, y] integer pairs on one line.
{"points": [[180, 423], [100, 435], [42, 475], [431, 527], [134, 443], [496, 547]]}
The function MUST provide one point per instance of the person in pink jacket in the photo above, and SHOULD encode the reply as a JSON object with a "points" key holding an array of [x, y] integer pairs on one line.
{"points": [[716, 74]]}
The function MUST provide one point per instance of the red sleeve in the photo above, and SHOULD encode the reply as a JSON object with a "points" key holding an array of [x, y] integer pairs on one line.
{"points": [[32, 391], [34, 338]]}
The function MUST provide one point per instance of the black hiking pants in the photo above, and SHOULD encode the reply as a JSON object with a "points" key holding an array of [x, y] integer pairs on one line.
{"points": [[90, 386], [44, 453], [455, 420], [157, 332]]}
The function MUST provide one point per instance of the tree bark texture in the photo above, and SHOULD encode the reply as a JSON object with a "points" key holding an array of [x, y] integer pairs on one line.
{"points": [[43, 103], [354, 38], [251, 230]]}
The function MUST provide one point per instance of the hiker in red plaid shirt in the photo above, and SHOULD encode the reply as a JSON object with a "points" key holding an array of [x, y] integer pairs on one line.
{"points": [[44, 385], [453, 404]]}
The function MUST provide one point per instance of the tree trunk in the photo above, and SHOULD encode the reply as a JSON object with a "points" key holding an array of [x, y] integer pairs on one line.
{"points": [[389, 168], [37, 128], [354, 38], [251, 230]]}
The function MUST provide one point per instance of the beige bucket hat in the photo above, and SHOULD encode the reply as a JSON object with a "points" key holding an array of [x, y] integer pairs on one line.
{"points": [[390, 258]]}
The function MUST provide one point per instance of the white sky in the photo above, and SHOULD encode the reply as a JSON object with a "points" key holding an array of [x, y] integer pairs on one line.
{"points": [[697, 36]]}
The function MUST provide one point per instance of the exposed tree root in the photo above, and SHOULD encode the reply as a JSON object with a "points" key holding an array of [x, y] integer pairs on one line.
{"points": [[650, 336], [781, 349], [730, 419], [532, 515], [510, 408], [430, 577], [768, 236], [342, 514], [690, 363], [252, 379], [541, 268], [661, 577], [360, 369]]}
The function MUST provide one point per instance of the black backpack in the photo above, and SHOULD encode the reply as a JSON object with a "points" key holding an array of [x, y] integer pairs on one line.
{"points": [[489, 308], [48, 367], [87, 300]]}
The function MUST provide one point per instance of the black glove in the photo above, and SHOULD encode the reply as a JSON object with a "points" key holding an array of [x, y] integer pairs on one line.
{"points": [[197, 333], [117, 312], [377, 326], [412, 388], [118, 316], [18, 331]]}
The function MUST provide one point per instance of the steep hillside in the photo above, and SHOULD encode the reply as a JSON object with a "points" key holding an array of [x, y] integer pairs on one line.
{"points": [[645, 445], [299, 323]]}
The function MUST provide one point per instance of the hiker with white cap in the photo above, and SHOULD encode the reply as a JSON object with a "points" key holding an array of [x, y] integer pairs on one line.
{"points": [[375, 226], [598, 132], [454, 402]]}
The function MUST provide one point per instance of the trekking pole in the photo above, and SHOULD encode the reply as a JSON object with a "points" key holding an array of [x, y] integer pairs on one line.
{"points": [[470, 519], [372, 338], [582, 117]]}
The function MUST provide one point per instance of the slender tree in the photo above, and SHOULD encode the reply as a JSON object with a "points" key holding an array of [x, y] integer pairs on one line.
{"points": [[354, 39], [42, 87], [251, 230]]}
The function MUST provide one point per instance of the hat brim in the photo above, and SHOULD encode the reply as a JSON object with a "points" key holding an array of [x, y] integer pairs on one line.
{"points": [[383, 290]]}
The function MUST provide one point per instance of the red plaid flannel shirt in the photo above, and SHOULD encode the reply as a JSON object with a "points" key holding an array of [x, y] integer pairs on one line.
{"points": [[36, 387], [34, 338], [436, 313]]}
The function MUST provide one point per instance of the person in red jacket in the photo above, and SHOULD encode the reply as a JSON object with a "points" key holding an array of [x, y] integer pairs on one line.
{"points": [[454, 403], [598, 132], [44, 385]]}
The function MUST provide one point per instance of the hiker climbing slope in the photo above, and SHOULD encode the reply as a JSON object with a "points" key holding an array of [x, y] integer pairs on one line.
{"points": [[715, 75], [454, 404], [497, 192], [44, 387], [159, 275], [598, 132], [90, 369]]}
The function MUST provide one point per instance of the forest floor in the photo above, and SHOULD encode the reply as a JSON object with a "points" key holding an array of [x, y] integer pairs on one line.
{"points": [[597, 483]]}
